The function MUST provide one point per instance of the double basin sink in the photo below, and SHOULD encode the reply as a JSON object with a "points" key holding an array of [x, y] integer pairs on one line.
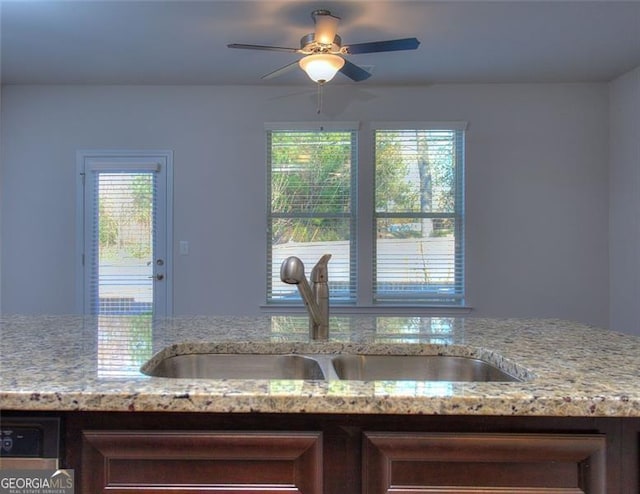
{"points": [[327, 367]]}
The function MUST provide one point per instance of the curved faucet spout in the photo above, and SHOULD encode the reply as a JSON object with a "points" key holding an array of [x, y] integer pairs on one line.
{"points": [[316, 296]]}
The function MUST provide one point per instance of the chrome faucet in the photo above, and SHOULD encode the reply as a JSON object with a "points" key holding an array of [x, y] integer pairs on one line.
{"points": [[316, 296]]}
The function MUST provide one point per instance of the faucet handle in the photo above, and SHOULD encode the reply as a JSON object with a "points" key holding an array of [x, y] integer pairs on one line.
{"points": [[320, 272]]}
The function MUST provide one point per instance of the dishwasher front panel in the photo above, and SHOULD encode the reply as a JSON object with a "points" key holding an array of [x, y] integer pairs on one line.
{"points": [[29, 443]]}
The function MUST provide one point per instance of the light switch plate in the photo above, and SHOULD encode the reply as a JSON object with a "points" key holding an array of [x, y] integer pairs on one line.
{"points": [[184, 248]]}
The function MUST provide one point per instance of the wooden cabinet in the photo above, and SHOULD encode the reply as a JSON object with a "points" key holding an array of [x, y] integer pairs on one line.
{"points": [[630, 460], [180, 461], [138, 453], [450, 462]]}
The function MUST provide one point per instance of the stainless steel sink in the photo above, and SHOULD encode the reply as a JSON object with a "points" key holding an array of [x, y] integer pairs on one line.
{"points": [[237, 366], [416, 368], [327, 367]]}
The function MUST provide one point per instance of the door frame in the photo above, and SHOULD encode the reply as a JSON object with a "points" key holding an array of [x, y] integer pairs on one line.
{"points": [[165, 158]]}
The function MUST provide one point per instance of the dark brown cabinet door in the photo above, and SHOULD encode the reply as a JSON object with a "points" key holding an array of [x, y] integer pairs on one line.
{"points": [[630, 457], [143, 462], [489, 463]]}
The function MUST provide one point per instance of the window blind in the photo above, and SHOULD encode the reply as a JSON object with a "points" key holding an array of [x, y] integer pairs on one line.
{"points": [[311, 195], [419, 216], [120, 253]]}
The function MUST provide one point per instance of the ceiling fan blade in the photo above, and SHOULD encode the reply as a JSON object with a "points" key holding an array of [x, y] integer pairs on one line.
{"points": [[378, 46], [280, 71], [262, 47], [353, 72]]}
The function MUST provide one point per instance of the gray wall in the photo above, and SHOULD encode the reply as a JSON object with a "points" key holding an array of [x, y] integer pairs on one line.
{"points": [[624, 227], [537, 185]]}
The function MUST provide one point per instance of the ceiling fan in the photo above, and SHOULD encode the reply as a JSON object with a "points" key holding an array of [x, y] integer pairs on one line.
{"points": [[324, 52]]}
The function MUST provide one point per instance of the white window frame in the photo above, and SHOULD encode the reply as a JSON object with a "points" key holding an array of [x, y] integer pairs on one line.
{"points": [[458, 298], [352, 127], [365, 217]]}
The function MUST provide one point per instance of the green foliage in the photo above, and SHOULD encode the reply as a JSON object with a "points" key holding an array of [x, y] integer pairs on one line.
{"points": [[107, 227], [393, 191], [311, 173], [125, 216], [142, 193], [437, 152], [415, 173]]}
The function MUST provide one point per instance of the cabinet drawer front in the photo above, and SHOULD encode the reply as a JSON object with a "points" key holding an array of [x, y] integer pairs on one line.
{"points": [[238, 462], [520, 463]]}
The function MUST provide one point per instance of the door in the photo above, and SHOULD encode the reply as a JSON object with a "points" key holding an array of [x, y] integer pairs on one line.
{"points": [[125, 232]]}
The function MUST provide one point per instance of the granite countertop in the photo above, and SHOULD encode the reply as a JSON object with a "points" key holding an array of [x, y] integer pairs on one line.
{"points": [[67, 363]]}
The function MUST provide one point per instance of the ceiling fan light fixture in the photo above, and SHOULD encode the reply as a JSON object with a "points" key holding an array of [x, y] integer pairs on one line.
{"points": [[321, 67]]}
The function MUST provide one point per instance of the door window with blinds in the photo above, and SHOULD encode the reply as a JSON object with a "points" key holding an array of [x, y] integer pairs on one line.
{"points": [[419, 215], [311, 190], [124, 251]]}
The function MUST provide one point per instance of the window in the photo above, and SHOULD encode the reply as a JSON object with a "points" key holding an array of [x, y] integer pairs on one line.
{"points": [[311, 193], [419, 216], [415, 221]]}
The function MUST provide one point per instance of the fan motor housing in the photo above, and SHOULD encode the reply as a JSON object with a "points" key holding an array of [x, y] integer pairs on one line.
{"points": [[309, 45]]}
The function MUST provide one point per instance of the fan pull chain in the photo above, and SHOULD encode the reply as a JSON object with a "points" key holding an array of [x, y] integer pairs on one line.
{"points": [[319, 107]]}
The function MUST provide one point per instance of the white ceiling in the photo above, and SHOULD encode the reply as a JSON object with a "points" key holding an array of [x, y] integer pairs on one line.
{"points": [[184, 42]]}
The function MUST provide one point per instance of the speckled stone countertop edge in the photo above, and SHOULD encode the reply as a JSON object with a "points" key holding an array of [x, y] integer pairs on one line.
{"points": [[570, 369]]}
